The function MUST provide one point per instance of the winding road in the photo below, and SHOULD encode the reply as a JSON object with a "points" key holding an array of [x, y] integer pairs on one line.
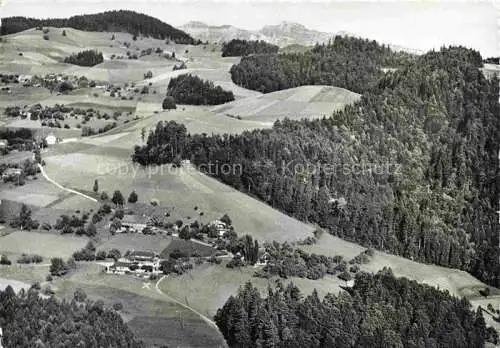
{"points": [[62, 187], [204, 317]]}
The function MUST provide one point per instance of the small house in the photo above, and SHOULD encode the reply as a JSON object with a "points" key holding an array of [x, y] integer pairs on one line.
{"points": [[220, 226], [51, 139], [4, 143]]}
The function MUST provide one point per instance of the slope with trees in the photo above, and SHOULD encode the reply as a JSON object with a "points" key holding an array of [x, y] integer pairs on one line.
{"points": [[28, 320], [347, 62], [410, 169], [126, 21], [378, 311]]}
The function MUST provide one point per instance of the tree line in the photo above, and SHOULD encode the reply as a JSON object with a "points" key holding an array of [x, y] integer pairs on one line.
{"points": [[347, 62], [410, 169], [238, 48], [126, 21], [378, 311]]}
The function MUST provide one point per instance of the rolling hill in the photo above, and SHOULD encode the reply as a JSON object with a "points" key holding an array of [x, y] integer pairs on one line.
{"points": [[109, 21], [294, 103]]}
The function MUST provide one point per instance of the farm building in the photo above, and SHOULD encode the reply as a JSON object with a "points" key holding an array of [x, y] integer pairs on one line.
{"points": [[221, 227], [3, 143], [11, 172], [51, 139], [133, 223], [137, 262]]}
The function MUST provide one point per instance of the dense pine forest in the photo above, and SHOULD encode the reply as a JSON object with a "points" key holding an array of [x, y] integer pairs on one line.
{"points": [[415, 163], [126, 21], [378, 311], [347, 62], [238, 48], [192, 90], [28, 320]]}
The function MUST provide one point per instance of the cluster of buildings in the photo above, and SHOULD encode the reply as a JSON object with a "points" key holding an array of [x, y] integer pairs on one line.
{"points": [[136, 262]]}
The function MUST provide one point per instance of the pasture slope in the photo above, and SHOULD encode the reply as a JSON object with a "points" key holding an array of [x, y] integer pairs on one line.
{"points": [[293, 103]]}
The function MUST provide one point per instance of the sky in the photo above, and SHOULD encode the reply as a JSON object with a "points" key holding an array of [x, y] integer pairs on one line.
{"points": [[419, 25]]}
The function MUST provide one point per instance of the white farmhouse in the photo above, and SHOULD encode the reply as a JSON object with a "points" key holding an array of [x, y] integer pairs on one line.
{"points": [[51, 139]]}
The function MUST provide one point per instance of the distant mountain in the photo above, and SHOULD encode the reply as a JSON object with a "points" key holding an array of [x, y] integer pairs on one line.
{"points": [[283, 34], [124, 21]]}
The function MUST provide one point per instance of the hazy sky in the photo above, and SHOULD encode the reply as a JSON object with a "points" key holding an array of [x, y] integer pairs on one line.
{"points": [[417, 24]]}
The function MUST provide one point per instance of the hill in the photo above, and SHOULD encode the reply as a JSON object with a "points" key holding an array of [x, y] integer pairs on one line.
{"points": [[347, 62], [294, 103], [110, 21], [420, 201]]}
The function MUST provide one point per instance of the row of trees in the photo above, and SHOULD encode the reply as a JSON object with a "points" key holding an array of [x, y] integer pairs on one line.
{"points": [[347, 62], [189, 89], [409, 169], [85, 58], [127, 21], [238, 48]]}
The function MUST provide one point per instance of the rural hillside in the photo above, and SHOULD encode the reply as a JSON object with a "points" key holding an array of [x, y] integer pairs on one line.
{"points": [[168, 187]]}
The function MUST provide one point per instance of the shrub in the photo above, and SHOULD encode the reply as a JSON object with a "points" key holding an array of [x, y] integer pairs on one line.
{"points": [[45, 37], [169, 103], [4, 260], [117, 306]]}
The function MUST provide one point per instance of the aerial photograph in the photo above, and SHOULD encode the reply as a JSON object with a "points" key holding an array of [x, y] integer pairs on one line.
{"points": [[249, 174]]}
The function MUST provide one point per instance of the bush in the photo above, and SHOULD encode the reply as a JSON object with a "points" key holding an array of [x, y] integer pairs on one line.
{"points": [[117, 306], [132, 198], [45, 37], [80, 295], [346, 276], [4, 260], [169, 103]]}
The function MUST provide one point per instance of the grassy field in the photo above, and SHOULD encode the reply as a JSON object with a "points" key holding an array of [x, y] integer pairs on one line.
{"points": [[47, 245], [188, 247], [207, 287], [135, 241], [78, 165], [457, 282], [149, 314], [294, 103]]}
